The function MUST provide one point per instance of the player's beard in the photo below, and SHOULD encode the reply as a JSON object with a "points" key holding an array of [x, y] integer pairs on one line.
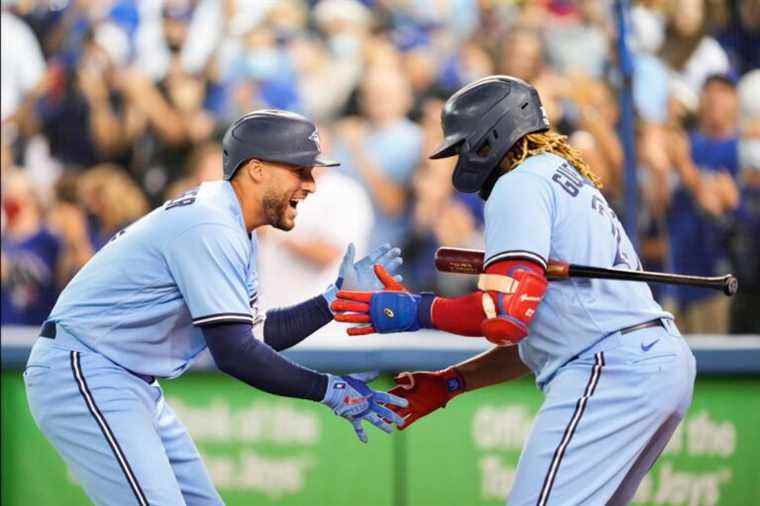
{"points": [[276, 208]]}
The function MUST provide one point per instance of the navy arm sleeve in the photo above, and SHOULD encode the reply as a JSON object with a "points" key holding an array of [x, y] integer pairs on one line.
{"points": [[238, 353], [289, 326]]}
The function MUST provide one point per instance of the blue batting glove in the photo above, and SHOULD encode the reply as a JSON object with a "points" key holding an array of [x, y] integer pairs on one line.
{"points": [[353, 400], [385, 312], [395, 312]]}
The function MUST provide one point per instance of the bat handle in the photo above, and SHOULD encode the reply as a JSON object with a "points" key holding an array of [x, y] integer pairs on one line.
{"points": [[730, 285], [557, 270]]}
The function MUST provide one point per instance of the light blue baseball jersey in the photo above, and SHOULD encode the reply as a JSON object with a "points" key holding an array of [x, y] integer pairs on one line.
{"points": [[141, 299], [544, 209]]}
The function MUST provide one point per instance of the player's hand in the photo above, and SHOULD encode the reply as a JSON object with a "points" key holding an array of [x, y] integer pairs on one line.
{"points": [[353, 400], [391, 310], [361, 275], [426, 391]]}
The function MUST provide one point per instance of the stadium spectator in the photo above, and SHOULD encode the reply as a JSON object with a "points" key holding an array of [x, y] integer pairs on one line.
{"points": [[690, 52], [701, 206], [741, 36], [382, 148], [440, 215], [80, 110], [30, 254], [745, 237], [580, 43], [422, 69], [654, 175], [69, 220], [205, 165], [593, 115], [651, 75], [23, 66], [521, 54], [112, 201], [345, 26], [745, 242]]}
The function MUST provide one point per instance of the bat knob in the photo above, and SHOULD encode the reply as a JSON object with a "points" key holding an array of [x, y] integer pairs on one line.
{"points": [[730, 285]]}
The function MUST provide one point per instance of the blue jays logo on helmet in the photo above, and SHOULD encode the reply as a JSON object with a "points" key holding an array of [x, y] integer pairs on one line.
{"points": [[272, 135], [314, 137]]}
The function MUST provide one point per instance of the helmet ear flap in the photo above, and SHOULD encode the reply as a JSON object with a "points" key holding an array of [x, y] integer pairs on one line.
{"points": [[489, 183]]}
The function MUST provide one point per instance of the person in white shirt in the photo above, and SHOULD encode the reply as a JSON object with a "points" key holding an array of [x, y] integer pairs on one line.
{"points": [[22, 63]]}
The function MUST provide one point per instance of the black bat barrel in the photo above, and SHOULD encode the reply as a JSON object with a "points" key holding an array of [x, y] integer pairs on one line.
{"points": [[728, 284]]}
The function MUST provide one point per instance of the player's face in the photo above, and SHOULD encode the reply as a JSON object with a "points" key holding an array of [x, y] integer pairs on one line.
{"points": [[289, 185]]}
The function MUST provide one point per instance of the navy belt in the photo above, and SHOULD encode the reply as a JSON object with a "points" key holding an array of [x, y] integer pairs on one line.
{"points": [[49, 331], [652, 323]]}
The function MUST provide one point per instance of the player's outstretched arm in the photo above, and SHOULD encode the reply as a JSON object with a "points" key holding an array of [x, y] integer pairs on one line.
{"points": [[286, 327], [237, 353], [501, 310], [428, 391]]}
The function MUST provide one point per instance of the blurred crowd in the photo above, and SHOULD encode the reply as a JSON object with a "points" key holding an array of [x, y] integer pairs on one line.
{"points": [[111, 107]]}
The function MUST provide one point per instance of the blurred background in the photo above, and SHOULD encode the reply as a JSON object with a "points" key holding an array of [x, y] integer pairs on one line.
{"points": [[111, 107]]}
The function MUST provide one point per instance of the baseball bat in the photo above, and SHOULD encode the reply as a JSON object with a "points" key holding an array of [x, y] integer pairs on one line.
{"points": [[469, 261]]}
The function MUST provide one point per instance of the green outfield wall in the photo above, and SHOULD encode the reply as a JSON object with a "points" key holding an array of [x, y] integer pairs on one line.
{"points": [[266, 450]]}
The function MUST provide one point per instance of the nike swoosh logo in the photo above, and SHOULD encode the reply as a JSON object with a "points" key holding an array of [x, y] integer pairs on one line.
{"points": [[648, 347]]}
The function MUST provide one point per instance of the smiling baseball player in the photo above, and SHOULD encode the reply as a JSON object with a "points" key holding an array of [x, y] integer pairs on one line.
{"points": [[616, 374], [179, 280]]}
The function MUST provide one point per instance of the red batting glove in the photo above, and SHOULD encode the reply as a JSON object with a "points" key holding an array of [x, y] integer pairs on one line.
{"points": [[426, 392], [353, 306]]}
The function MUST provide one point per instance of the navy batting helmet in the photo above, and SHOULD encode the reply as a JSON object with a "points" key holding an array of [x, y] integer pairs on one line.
{"points": [[272, 135], [482, 121]]}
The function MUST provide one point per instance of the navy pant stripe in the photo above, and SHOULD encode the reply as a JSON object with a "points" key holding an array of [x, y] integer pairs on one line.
{"points": [[580, 407], [106, 430]]}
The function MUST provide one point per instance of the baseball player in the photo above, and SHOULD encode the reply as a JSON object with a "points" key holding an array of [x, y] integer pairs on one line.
{"points": [[616, 374], [179, 280]]}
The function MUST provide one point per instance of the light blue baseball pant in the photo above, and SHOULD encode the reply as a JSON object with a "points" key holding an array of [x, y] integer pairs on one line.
{"points": [[118, 436], [606, 417]]}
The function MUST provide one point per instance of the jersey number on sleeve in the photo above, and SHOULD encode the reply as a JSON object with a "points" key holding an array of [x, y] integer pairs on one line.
{"points": [[185, 199]]}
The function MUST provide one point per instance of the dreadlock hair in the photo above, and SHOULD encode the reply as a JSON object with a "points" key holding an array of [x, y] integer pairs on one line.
{"points": [[547, 142], [534, 144]]}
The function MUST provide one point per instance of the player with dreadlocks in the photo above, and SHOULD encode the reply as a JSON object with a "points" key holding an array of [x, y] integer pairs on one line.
{"points": [[616, 374]]}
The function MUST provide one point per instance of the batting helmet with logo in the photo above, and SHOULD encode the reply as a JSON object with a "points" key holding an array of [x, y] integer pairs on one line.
{"points": [[272, 135], [482, 121]]}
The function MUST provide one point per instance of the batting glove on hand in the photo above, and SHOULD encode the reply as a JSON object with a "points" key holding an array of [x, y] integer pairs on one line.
{"points": [[352, 399], [392, 310], [361, 275], [426, 392]]}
